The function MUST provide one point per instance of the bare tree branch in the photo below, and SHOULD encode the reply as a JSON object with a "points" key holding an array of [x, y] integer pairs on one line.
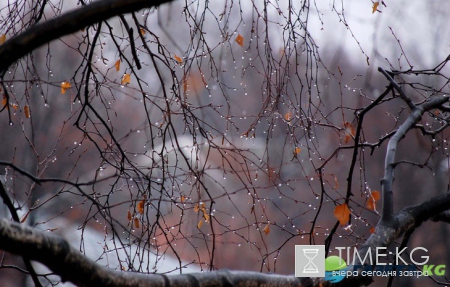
{"points": [[71, 265], [19, 46], [387, 216], [15, 216], [406, 221]]}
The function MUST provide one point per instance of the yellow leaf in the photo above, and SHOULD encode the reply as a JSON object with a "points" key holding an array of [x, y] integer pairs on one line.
{"points": [[26, 111], [2, 39], [240, 40], [178, 59], [266, 229], [117, 65], [129, 216], [140, 207], [297, 150], [125, 79], [65, 86], [342, 213], [137, 223], [375, 6], [200, 223]]}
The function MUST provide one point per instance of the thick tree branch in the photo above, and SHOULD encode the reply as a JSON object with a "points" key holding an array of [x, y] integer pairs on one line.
{"points": [[387, 215], [71, 22], [406, 221], [71, 265], [7, 201]]}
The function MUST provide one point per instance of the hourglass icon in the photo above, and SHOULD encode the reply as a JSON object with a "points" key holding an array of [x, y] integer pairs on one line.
{"points": [[310, 267]]}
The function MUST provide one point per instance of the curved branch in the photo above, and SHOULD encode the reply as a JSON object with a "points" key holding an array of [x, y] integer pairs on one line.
{"points": [[71, 265], [71, 22], [406, 221], [387, 216]]}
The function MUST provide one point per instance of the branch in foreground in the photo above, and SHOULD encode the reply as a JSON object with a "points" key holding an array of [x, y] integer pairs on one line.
{"points": [[71, 22], [71, 265], [387, 215], [406, 221]]}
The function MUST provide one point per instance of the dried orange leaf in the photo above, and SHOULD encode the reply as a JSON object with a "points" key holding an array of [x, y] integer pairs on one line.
{"points": [[342, 213], [375, 6], [26, 111], [200, 223], [137, 223], [297, 150], [178, 59], [140, 207], [196, 208], [65, 86], [267, 229], [376, 195], [372, 229], [183, 199], [240, 40], [4, 101], [125, 79], [288, 116], [129, 216], [117, 65], [206, 216], [373, 198], [2, 39], [370, 204], [15, 107], [142, 31]]}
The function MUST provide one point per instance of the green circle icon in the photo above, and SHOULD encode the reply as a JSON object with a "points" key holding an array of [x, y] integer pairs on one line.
{"points": [[334, 263]]}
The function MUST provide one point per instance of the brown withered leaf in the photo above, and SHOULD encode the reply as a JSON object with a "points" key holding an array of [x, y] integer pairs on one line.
{"points": [[140, 206], [342, 213], [267, 229], [240, 40]]}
